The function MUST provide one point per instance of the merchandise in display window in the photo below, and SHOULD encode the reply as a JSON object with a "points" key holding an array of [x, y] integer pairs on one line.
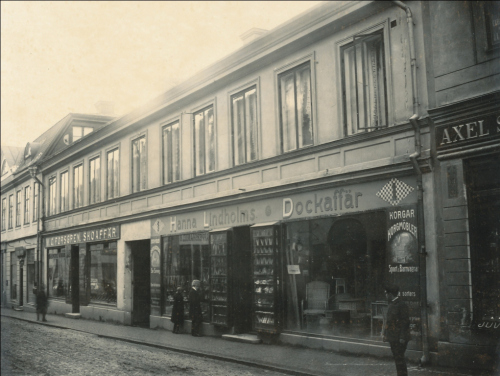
{"points": [[103, 266], [334, 272], [219, 291], [185, 258], [57, 273]]}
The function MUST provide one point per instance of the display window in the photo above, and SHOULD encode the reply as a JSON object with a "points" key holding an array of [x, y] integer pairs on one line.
{"points": [[334, 271], [30, 277], [185, 258], [103, 266], [57, 273]]}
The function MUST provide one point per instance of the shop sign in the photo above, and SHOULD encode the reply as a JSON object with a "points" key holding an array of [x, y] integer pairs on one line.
{"points": [[197, 238], [94, 235], [293, 269], [465, 132]]}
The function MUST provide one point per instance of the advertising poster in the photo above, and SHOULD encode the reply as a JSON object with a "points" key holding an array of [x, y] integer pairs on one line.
{"points": [[155, 275]]}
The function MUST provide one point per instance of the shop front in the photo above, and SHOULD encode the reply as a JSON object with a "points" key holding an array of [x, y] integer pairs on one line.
{"points": [[310, 264], [468, 151], [81, 270]]}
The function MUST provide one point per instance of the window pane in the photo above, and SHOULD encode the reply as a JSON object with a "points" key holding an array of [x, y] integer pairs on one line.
{"points": [[27, 198], [210, 139], [77, 133], [57, 273], [239, 130], [95, 180], [176, 156], [52, 196], [116, 171], [4, 212], [103, 266], [64, 199], [304, 112], [35, 202], [11, 209], [251, 124], [18, 208], [78, 186], [171, 168], [288, 112], [199, 134], [143, 161]]}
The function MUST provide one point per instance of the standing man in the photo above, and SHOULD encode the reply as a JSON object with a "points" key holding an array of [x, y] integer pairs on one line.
{"points": [[195, 308], [41, 303], [397, 328]]}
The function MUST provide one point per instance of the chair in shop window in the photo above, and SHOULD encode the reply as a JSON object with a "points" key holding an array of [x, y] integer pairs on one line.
{"points": [[316, 302]]}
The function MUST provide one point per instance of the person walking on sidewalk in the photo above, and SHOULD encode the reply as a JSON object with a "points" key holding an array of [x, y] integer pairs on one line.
{"points": [[195, 308], [178, 311], [41, 303], [397, 328]]}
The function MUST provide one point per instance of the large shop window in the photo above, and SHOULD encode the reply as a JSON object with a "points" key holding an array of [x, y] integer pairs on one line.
{"points": [[185, 258], [339, 268], [244, 126], [296, 108], [103, 266], [95, 180], [52, 196], [139, 164], [78, 186], [64, 197], [57, 273], [204, 141], [364, 84], [171, 153], [483, 185], [112, 179], [30, 276], [27, 198]]}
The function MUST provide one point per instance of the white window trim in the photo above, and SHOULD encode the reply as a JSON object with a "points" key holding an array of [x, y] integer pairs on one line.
{"points": [[81, 162], [213, 103], [385, 26], [255, 82], [132, 138], [59, 191], [311, 58], [164, 124], [105, 182]]}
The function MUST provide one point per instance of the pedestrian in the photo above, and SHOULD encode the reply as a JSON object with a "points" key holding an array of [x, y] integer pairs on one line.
{"points": [[195, 308], [397, 328], [41, 303], [178, 311]]}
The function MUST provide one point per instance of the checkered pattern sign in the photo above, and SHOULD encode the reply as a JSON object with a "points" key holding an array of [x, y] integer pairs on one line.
{"points": [[394, 191]]}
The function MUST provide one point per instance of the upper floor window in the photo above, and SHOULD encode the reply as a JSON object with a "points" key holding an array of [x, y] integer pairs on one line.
{"points": [[204, 141], [112, 179], [139, 164], [171, 153], [95, 180], [79, 132], [52, 196], [18, 207], [27, 198], [244, 126], [296, 108], [364, 84], [35, 201], [492, 15], [64, 197], [4, 212], [78, 186], [11, 210]]}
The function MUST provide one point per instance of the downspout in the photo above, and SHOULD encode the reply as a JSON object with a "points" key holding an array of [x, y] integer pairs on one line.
{"points": [[420, 191]]}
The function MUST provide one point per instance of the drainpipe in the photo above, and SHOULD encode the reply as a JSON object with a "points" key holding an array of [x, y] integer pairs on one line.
{"points": [[420, 191]]}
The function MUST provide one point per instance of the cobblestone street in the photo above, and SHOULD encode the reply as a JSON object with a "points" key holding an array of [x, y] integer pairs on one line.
{"points": [[31, 349]]}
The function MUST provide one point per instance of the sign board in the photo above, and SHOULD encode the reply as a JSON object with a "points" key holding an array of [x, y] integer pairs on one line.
{"points": [[93, 235], [293, 269]]}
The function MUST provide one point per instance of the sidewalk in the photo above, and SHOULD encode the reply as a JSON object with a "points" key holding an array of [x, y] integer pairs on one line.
{"points": [[286, 359]]}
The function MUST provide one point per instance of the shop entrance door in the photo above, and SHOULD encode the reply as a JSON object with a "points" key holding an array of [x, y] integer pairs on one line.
{"points": [[242, 280], [75, 279], [141, 283]]}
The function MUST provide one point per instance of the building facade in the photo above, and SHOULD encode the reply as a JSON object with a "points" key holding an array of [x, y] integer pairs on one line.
{"points": [[293, 179]]}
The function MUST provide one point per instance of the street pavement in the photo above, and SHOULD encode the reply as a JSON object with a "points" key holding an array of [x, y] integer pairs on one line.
{"points": [[275, 358]]}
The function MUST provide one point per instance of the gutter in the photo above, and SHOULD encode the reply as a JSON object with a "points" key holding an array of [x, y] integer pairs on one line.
{"points": [[420, 191]]}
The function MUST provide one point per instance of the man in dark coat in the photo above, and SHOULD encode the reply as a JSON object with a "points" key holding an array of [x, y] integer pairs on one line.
{"points": [[195, 308], [41, 303], [397, 328], [178, 311]]}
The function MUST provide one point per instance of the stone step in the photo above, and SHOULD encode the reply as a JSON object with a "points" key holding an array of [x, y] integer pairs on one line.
{"points": [[246, 338]]}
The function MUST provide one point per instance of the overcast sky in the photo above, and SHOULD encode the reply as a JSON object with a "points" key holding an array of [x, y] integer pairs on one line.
{"points": [[62, 57]]}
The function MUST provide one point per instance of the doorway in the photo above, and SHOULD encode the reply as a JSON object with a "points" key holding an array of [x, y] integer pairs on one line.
{"points": [[141, 283], [242, 280], [74, 281]]}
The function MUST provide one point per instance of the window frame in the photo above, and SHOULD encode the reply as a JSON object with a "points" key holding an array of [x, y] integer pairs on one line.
{"points": [[198, 109], [27, 198], [19, 198], [36, 201], [11, 212], [52, 191], [4, 213], [98, 186], [164, 126], [278, 73], [131, 169], [82, 185], [384, 29], [61, 187], [236, 92], [109, 151]]}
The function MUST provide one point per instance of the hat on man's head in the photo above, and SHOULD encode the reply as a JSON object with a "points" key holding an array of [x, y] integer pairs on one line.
{"points": [[195, 283], [391, 289]]}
